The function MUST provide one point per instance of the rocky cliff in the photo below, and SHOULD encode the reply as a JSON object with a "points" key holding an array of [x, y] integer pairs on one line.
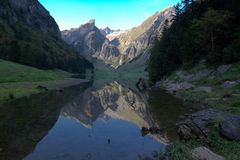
{"points": [[87, 39], [119, 47], [30, 12]]}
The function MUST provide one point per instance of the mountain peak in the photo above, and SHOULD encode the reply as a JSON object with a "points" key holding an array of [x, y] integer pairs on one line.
{"points": [[91, 21]]}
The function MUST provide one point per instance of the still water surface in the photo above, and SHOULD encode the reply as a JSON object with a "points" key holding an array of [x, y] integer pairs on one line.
{"points": [[101, 120]]}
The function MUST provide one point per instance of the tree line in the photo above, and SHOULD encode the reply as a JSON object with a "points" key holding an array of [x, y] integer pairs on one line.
{"points": [[203, 30]]}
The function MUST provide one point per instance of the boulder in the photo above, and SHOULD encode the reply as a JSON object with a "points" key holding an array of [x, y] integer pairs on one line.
{"points": [[200, 124], [229, 84], [142, 84], [230, 129], [223, 68], [203, 153], [144, 131]]}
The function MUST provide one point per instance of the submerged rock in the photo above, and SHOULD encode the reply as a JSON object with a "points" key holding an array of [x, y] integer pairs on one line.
{"points": [[200, 124], [203, 153]]}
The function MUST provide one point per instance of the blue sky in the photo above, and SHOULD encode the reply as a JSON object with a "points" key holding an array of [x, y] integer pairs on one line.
{"points": [[117, 14]]}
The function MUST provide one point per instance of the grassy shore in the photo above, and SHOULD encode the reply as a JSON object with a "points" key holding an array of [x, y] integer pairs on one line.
{"points": [[18, 80], [226, 98]]}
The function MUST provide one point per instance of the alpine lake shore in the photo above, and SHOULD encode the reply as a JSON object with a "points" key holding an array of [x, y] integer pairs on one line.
{"points": [[203, 87], [18, 80], [215, 93]]}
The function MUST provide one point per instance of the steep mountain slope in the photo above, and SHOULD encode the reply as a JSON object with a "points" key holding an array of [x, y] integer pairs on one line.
{"points": [[29, 35], [87, 39], [139, 40], [119, 47]]}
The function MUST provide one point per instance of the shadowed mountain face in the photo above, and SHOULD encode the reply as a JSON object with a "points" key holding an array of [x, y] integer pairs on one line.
{"points": [[30, 36], [87, 39], [31, 12], [118, 47]]}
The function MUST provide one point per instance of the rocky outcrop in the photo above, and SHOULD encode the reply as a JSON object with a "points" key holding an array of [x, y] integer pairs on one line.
{"points": [[30, 12], [107, 31], [202, 123], [109, 53], [87, 39], [203, 153], [172, 86]]}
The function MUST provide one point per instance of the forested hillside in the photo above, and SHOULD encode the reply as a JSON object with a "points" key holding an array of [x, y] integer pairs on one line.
{"points": [[30, 36], [203, 31]]}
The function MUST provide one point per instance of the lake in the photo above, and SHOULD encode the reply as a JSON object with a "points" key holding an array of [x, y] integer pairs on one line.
{"points": [[100, 120]]}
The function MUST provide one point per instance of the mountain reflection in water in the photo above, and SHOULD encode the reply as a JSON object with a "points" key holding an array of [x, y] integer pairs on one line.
{"points": [[104, 121]]}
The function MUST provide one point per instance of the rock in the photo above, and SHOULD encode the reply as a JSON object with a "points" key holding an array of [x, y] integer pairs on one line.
{"points": [[144, 131], [223, 68], [200, 124], [230, 129], [154, 130], [186, 85], [204, 89], [229, 84], [142, 84], [185, 76], [42, 88], [203, 153], [173, 87], [211, 77]]}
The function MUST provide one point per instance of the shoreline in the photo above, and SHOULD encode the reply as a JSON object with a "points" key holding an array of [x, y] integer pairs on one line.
{"points": [[207, 89], [16, 90]]}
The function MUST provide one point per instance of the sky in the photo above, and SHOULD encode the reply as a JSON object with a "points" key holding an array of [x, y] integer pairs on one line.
{"points": [[116, 14]]}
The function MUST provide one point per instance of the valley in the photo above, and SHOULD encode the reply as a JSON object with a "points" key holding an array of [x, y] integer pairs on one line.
{"points": [[166, 88]]}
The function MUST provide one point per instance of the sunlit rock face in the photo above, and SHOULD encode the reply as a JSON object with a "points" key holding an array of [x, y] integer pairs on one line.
{"points": [[116, 47]]}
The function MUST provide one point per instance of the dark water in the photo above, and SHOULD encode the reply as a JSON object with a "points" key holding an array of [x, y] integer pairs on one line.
{"points": [[95, 121]]}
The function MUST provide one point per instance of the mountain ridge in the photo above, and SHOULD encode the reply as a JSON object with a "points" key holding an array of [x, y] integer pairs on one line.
{"points": [[120, 47]]}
